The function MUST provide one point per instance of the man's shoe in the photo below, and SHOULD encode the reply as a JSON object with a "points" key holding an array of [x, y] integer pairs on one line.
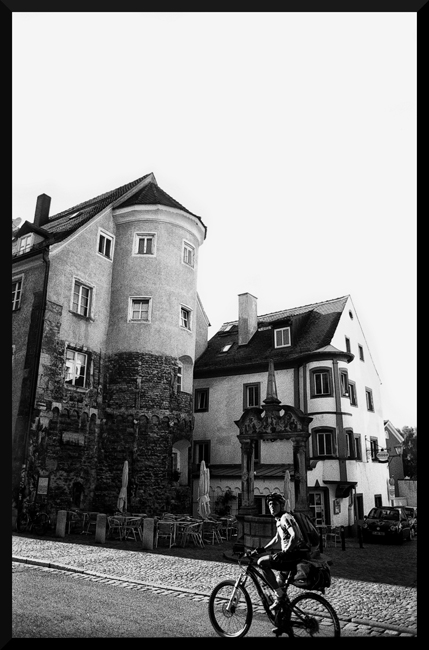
{"points": [[277, 631], [277, 604]]}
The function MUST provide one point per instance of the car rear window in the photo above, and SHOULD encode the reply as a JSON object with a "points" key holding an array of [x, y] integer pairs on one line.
{"points": [[383, 513]]}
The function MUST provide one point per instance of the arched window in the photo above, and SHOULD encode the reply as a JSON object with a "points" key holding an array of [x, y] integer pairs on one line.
{"points": [[180, 459], [185, 374], [321, 382]]}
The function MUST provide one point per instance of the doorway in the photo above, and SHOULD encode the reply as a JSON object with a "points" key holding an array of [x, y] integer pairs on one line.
{"points": [[317, 507]]}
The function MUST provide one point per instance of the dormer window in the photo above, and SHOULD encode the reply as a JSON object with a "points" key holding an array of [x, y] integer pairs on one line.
{"points": [[282, 337], [25, 243], [226, 347]]}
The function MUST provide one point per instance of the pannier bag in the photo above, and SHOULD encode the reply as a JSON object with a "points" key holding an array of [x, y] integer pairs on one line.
{"points": [[313, 576]]}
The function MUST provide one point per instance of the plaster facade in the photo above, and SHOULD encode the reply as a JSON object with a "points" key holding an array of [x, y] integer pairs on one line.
{"points": [[109, 387], [342, 484]]}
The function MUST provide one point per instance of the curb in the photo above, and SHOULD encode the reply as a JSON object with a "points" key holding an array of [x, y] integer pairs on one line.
{"points": [[65, 567]]}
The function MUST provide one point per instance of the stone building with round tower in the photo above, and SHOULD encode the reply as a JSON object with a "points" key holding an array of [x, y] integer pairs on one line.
{"points": [[110, 285]]}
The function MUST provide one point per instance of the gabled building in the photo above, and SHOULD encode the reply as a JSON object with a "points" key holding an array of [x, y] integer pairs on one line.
{"points": [[393, 449], [324, 371], [106, 326]]}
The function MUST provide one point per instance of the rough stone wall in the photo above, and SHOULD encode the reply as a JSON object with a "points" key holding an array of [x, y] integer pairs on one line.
{"points": [[81, 438], [143, 416]]}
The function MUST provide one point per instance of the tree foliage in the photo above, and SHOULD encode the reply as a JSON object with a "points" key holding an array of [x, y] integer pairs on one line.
{"points": [[409, 455]]}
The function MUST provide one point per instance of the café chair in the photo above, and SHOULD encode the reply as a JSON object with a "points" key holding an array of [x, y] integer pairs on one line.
{"points": [[333, 533], [114, 527], [164, 529]]}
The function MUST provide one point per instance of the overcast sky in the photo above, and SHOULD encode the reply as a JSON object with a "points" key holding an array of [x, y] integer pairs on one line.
{"points": [[292, 135]]}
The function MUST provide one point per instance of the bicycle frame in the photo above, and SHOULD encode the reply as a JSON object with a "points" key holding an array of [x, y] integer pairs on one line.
{"points": [[260, 582]]}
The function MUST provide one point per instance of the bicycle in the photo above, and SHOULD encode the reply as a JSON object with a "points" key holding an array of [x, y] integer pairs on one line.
{"points": [[33, 519], [231, 610]]}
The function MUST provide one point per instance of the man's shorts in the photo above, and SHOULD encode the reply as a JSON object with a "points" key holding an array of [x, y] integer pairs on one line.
{"points": [[283, 561]]}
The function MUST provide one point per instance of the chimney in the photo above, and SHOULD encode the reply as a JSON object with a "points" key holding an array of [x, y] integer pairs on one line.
{"points": [[41, 216], [247, 317]]}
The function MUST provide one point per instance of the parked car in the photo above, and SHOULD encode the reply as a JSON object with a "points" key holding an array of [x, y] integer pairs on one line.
{"points": [[411, 513], [387, 524]]}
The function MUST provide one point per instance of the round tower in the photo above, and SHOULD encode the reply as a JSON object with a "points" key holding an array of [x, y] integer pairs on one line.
{"points": [[150, 352]]}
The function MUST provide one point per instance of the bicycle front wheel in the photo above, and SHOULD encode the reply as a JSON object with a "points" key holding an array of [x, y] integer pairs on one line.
{"points": [[230, 609], [312, 615]]}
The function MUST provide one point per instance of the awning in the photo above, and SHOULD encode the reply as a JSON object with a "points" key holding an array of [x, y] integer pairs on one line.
{"points": [[343, 488]]}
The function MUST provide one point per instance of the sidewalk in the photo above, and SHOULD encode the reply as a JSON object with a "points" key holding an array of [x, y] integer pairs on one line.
{"points": [[381, 606]]}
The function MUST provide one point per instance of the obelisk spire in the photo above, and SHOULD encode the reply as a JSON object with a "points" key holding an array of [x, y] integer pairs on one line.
{"points": [[271, 397]]}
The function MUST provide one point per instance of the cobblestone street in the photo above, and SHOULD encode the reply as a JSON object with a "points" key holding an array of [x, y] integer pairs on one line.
{"points": [[364, 608]]}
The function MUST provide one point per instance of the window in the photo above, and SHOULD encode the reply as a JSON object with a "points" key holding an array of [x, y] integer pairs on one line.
{"points": [[202, 451], [201, 399], [358, 446], [259, 502], [188, 254], [323, 441], [373, 442], [378, 500], [81, 302], [361, 357], [16, 293], [105, 244], [76, 368], [320, 382], [352, 393], [350, 440], [251, 396], [25, 243], [282, 337], [144, 244], [179, 380], [185, 318], [348, 344], [369, 400], [226, 347], [324, 446], [344, 383], [176, 460], [140, 309]]}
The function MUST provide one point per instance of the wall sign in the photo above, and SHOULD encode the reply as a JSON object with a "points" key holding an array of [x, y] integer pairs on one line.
{"points": [[43, 485]]}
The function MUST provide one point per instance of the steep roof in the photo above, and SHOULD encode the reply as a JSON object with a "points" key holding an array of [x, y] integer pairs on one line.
{"points": [[152, 194], [64, 223], [146, 191], [312, 328]]}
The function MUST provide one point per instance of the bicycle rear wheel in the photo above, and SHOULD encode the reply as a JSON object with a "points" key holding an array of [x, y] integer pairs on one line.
{"points": [[41, 524], [230, 609], [312, 615]]}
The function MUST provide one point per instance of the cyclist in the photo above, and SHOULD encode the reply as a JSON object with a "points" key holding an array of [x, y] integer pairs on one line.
{"points": [[293, 547]]}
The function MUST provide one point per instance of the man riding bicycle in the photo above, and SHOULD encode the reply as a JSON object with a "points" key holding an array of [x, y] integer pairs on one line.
{"points": [[293, 547]]}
